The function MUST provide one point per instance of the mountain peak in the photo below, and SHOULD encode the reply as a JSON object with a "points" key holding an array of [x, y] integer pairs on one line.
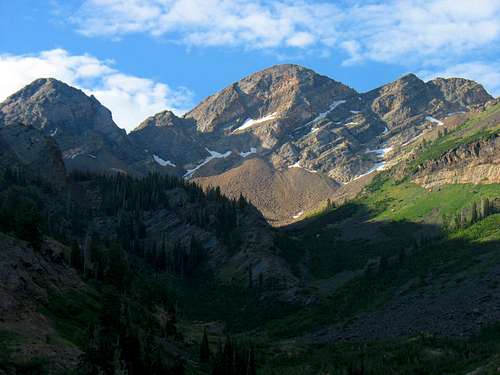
{"points": [[57, 103], [161, 119], [283, 89], [463, 91], [409, 79], [79, 123], [290, 68], [45, 86]]}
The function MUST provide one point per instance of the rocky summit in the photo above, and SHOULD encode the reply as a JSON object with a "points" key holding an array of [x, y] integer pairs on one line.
{"points": [[83, 128]]}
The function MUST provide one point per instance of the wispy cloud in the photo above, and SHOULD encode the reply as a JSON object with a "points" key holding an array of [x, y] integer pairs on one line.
{"points": [[376, 30], [437, 30], [249, 24], [418, 34], [131, 99]]}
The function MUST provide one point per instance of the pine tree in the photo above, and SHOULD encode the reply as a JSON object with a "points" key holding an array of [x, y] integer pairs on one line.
{"points": [[250, 277], [76, 257], [228, 357], [484, 208], [474, 212], [204, 348], [251, 370], [241, 202], [117, 268]]}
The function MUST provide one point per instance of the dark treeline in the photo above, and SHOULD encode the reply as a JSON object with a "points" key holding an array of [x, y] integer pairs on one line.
{"points": [[475, 212], [232, 358], [134, 328]]}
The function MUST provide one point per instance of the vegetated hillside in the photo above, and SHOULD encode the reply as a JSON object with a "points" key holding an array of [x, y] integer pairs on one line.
{"points": [[93, 273], [394, 285], [407, 275]]}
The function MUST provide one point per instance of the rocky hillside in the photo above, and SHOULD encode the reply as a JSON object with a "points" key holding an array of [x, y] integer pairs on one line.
{"points": [[476, 163], [469, 153], [275, 192], [284, 119], [28, 281], [28, 151], [289, 117]]}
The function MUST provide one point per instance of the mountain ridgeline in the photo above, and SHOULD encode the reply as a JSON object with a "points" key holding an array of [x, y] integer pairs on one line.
{"points": [[308, 133], [286, 225]]}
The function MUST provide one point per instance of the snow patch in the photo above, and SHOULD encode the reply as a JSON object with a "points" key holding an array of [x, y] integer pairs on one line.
{"points": [[322, 115], [297, 165], [380, 166], [299, 214], [54, 132], [244, 154], [213, 155], [354, 112], [162, 162], [92, 156], [251, 122], [412, 140], [380, 152], [377, 167], [432, 119], [386, 130], [455, 113], [73, 153]]}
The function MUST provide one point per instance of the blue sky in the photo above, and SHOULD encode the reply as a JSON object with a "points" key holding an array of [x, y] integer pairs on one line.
{"points": [[142, 56]]}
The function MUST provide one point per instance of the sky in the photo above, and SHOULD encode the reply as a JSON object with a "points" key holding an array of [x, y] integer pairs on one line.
{"points": [[139, 57]]}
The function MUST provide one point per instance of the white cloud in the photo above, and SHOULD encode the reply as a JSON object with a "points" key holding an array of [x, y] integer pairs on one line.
{"points": [[250, 24], [389, 31], [437, 30], [486, 74], [131, 99]]}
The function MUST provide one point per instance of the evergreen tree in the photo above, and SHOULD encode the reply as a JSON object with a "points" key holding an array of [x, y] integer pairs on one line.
{"points": [[484, 208], [250, 277], [474, 212], [251, 370], [76, 257], [117, 267], [241, 202], [204, 348]]}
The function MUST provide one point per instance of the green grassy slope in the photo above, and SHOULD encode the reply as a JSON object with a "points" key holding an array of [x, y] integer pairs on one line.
{"points": [[405, 228]]}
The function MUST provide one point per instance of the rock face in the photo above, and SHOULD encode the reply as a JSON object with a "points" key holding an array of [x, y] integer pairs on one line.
{"points": [[83, 128], [406, 102], [286, 94], [170, 138], [27, 149], [476, 163]]}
